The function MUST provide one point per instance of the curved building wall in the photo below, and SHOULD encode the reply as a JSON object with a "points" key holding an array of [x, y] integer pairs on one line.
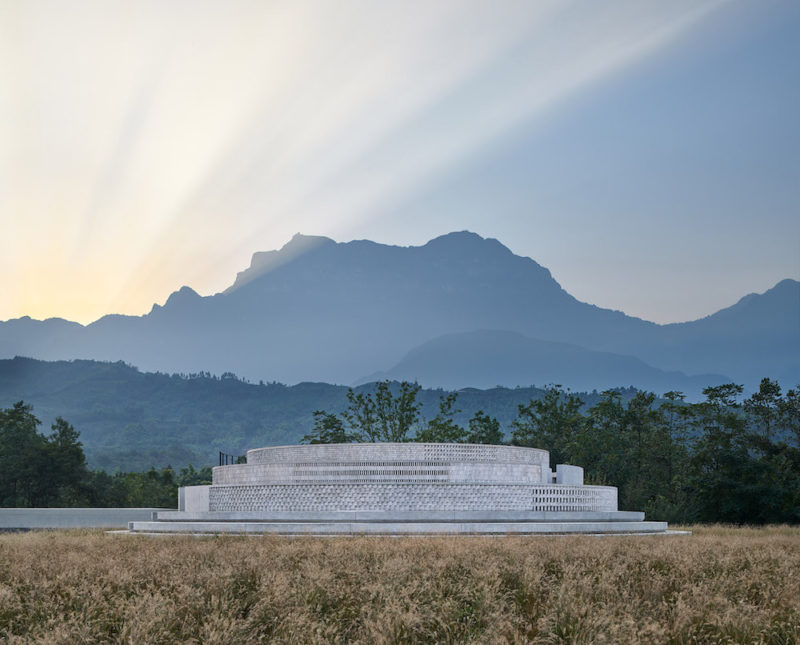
{"points": [[360, 452], [411, 497], [399, 477], [389, 471]]}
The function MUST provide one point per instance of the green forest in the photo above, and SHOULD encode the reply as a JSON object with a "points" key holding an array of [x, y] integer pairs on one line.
{"points": [[132, 421], [723, 459], [49, 470]]}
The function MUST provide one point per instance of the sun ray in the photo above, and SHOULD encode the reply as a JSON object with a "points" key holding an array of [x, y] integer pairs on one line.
{"points": [[151, 145]]}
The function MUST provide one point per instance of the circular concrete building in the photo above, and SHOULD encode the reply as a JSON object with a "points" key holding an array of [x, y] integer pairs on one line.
{"points": [[397, 488]]}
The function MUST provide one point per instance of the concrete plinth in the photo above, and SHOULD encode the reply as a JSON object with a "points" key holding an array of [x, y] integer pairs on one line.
{"points": [[29, 519], [397, 528], [396, 489]]}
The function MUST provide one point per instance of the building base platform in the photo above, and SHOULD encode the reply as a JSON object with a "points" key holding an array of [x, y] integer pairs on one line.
{"points": [[405, 523], [397, 489]]}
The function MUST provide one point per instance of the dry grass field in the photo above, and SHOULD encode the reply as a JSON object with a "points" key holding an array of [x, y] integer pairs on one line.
{"points": [[720, 585]]}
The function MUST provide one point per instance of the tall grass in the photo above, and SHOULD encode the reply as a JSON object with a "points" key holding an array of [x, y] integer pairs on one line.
{"points": [[720, 585]]}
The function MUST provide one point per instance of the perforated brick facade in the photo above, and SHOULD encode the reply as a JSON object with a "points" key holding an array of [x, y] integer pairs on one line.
{"points": [[446, 452], [411, 497], [399, 477]]}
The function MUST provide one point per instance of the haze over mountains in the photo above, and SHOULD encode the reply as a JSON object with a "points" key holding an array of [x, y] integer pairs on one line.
{"points": [[458, 311], [487, 359]]}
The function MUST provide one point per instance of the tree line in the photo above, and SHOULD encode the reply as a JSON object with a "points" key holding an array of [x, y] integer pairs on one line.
{"points": [[49, 470], [131, 420], [721, 460], [724, 459], [384, 415]]}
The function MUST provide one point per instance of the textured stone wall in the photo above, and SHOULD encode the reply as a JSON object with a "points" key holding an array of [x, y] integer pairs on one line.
{"points": [[377, 471], [356, 452], [401, 477], [411, 497], [573, 498]]}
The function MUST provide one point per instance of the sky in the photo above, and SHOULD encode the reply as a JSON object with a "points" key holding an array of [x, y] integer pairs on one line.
{"points": [[647, 153]]}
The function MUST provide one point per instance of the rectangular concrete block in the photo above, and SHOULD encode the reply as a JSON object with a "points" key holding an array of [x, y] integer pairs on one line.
{"points": [[193, 499], [569, 475], [71, 518]]}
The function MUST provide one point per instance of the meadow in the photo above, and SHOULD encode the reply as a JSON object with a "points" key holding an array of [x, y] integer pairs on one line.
{"points": [[719, 585]]}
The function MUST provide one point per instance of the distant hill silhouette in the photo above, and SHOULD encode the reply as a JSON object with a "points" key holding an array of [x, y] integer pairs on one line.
{"points": [[131, 420], [485, 358], [759, 331], [317, 310]]}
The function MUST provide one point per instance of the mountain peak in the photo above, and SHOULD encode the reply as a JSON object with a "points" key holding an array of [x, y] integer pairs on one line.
{"points": [[184, 294], [177, 300], [457, 236], [263, 262], [781, 296], [303, 243], [468, 247], [464, 240], [785, 285]]}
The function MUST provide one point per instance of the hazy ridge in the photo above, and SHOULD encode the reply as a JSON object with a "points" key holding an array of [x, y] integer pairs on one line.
{"points": [[317, 310], [132, 420]]}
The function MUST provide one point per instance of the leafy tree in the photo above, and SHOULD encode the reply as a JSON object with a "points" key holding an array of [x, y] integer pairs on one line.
{"points": [[143, 489], [677, 422], [157, 488], [647, 444], [601, 443], [67, 464], [102, 490], [442, 428], [549, 422], [384, 416], [772, 440], [36, 470], [189, 476], [724, 471], [22, 458], [764, 407], [484, 429], [790, 415], [361, 416], [328, 428], [400, 414], [669, 452]]}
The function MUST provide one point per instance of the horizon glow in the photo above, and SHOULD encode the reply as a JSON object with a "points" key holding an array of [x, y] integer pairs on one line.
{"points": [[149, 145]]}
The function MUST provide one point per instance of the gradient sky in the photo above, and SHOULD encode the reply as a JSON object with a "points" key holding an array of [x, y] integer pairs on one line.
{"points": [[647, 153]]}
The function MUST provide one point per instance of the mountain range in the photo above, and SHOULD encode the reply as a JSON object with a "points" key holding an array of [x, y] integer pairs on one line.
{"points": [[458, 311]]}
